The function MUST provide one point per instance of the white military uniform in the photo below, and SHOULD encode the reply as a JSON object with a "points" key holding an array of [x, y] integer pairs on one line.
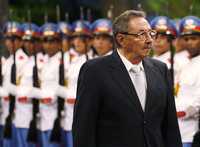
{"points": [[3, 61], [108, 53], [21, 58], [189, 95], [73, 73], [165, 57], [49, 84], [23, 102], [180, 60]]}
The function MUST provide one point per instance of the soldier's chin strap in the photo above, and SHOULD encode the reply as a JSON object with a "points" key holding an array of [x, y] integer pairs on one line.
{"points": [[57, 129], [33, 130]]}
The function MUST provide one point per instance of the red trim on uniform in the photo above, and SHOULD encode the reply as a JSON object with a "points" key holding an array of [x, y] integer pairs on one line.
{"points": [[6, 98], [61, 61], [197, 28], [70, 100], [41, 60], [169, 60], [72, 55], [21, 57], [23, 99], [46, 100], [180, 114]]}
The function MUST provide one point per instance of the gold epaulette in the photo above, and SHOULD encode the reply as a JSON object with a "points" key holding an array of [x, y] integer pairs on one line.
{"points": [[176, 89]]}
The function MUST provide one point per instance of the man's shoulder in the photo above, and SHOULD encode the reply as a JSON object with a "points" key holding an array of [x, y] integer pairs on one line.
{"points": [[98, 63], [94, 69], [156, 64]]}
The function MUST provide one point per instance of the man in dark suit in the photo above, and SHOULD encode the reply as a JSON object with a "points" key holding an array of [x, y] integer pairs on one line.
{"points": [[126, 99]]}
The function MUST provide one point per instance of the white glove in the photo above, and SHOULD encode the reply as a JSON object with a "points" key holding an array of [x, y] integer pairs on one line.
{"points": [[191, 113], [35, 93], [12, 89], [61, 91], [3, 92]]}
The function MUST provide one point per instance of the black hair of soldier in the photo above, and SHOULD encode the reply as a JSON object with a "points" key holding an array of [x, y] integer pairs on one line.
{"points": [[83, 37], [111, 39]]}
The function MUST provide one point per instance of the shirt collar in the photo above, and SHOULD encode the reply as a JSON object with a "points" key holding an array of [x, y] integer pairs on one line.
{"points": [[128, 64]]}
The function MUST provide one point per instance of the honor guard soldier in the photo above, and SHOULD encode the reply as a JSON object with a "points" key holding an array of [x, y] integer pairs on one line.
{"points": [[164, 46], [102, 37], [66, 32], [69, 56], [49, 83], [23, 110], [2, 63], [13, 67], [188, 96], [81, 37], [66, 36], [165, 29]]}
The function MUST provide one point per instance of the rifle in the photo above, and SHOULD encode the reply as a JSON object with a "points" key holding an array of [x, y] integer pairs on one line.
{"points": [[57, 129], [8, 124], [89, 15], [82, 20], [110, 12], [172, 53], [196, 138], [1, 79], [33, 131]]}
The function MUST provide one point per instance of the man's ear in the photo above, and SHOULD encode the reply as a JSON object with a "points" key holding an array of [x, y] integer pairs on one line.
{"points": [[120, 39]]}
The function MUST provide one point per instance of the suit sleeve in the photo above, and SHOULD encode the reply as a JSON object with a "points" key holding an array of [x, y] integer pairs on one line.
{"points": [[86, 108], [170, 126]]}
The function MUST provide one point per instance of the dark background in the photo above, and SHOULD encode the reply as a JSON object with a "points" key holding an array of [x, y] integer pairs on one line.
{"points": [[99, 8], [172, 8]]}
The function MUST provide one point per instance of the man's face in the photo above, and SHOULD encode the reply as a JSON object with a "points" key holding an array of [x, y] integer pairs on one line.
{"points": [[38, 46], [192, 43], [65, 44], [51, 47], [180, 44], [103, 44], [136, 46], [29, 46], [161, 44], [13, 44], [81, 44], [18, 43], [9, 45]]}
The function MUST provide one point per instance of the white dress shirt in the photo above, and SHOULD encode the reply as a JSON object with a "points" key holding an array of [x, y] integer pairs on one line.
{"points": [[138, 78]]}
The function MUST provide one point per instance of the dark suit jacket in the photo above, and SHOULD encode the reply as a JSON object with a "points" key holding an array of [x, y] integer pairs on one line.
{"points": [[108, 112]]}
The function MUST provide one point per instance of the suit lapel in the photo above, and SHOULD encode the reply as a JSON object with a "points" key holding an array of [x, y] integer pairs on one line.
{"points": [[151, 83], [121, 76]]}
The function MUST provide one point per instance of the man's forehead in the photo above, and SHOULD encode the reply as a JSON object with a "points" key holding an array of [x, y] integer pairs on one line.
{"points": [[139, 24]]}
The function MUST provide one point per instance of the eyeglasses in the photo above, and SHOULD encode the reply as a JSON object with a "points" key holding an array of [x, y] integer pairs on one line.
{"points": [[143, 34]]}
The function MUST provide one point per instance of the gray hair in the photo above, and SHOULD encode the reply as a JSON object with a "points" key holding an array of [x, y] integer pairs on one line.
{"points": [[120, 23]]}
